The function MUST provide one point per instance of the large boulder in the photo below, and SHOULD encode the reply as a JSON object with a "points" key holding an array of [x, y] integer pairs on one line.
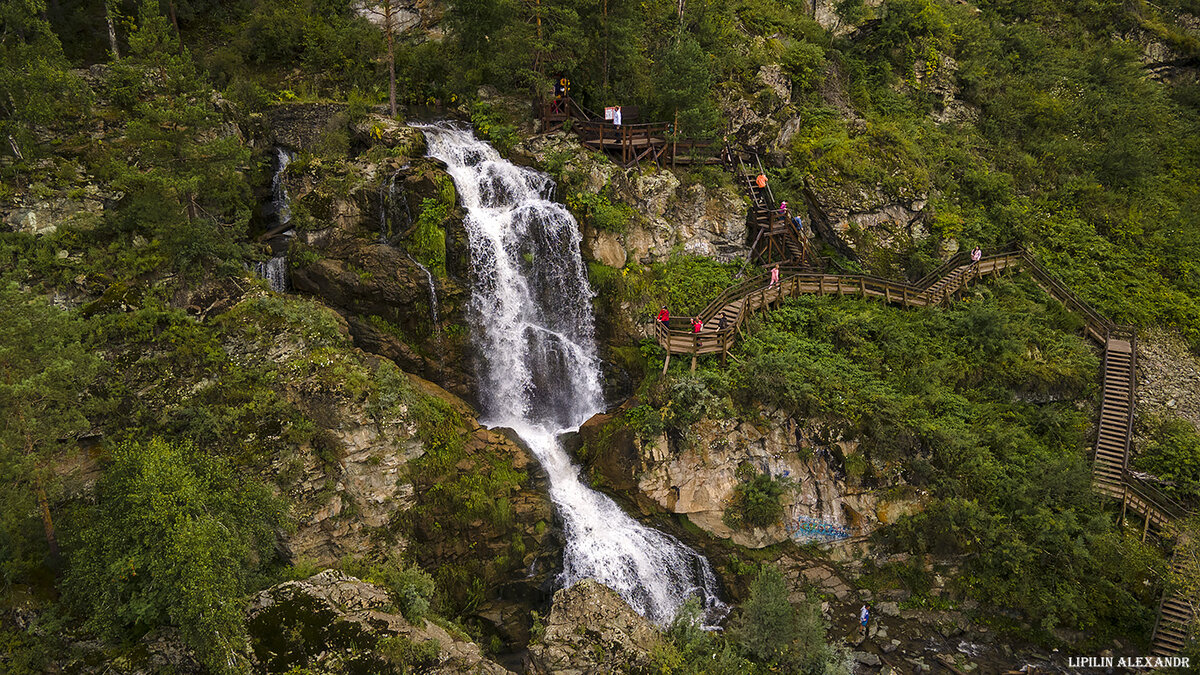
{"points": [[339, 624], [591, 630]]}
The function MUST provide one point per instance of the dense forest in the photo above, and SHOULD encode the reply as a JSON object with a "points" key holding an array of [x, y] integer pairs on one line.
{"points": [[172, 429]]}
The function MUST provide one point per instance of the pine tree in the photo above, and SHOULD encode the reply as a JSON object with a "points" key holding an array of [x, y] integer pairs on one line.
{"points": [[43, 373], [35, 85]]}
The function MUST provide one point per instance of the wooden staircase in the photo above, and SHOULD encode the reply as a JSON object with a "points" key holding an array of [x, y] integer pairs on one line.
{"points": [[1116, 417], [1174, 615], [1110, 474], [945, 288]]}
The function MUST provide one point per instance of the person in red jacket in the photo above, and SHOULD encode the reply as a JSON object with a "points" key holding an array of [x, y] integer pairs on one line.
{"points": [[697, 324], [664, 316]]}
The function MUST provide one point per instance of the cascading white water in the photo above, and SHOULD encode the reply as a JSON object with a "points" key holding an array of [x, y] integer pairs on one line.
{"points": [[275, 271], [280, 201], [539, 374]]}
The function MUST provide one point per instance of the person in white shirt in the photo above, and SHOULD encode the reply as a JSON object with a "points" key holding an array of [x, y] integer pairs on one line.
{"points": [[617, 117]]}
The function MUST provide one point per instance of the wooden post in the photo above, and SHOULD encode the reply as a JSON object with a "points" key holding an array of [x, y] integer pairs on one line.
{"points": [[887, 293], [1146, 527], [668, 361], [675, 140], [1124, 503], [862, 287]]}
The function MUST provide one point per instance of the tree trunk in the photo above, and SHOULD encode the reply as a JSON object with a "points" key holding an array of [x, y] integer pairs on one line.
{"points": [[43, 502], [112, 30], [47, 521], [604, 13], [391, 42]]}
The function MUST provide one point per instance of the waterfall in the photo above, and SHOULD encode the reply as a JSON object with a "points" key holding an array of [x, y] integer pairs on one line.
{"points": [[280, 202], [433, 305], [387, 198], [275, 271], [538, 371]]}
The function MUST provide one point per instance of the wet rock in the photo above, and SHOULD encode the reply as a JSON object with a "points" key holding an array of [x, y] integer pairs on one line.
{"points": [[591, 630]]}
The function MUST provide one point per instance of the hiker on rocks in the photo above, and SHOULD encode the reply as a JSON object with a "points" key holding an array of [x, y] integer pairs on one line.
{"points": [[864, 616], [664, 316], [774, 276], [976, 255]]}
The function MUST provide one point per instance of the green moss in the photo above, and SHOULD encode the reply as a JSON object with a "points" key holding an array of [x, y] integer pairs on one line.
{"points": [[428, 243]]}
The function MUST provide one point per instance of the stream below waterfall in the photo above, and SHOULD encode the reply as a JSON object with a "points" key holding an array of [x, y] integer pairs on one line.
{"points": [[539, 374]]}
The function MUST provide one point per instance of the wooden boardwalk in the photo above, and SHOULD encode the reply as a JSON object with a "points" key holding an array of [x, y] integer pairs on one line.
{"points": [[723, 320]]}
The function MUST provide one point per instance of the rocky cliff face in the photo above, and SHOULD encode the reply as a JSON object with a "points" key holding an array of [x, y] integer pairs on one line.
{"points": [[356, 220], [666, 215], [696, 475]]}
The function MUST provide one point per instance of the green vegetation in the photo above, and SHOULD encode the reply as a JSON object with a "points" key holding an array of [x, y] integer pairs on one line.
{"points": [[767, 635], [1057, 139], [1173, 454], [175, 538], [689, 283]]}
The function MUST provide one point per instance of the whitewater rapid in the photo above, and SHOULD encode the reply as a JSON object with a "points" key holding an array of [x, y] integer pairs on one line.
{"points": [[539, 374]]}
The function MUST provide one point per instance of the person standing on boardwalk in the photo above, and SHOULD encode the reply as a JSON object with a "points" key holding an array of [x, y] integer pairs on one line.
{"points": [[774, 276], [697, 324], [617, 116], [664, 316], [783, 208], [976, 254]]}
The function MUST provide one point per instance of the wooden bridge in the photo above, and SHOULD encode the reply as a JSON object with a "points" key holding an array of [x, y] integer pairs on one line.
{"points": [[723, 320]]}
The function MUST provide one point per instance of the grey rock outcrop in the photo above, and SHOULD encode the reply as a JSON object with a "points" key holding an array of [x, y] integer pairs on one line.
{"points": [[332, 620], [591, 630], [1168, 376]]}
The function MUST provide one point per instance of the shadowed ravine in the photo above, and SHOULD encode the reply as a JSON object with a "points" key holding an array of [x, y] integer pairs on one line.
{"points": [[530, 310]]}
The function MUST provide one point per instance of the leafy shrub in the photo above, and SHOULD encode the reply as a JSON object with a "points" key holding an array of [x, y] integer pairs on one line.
{"points": [[755, 501], [1173, 454], [689, 283], [174, 538]]}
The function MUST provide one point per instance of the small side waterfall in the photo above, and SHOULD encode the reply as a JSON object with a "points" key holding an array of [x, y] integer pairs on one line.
{"points": [[539, 374], [433, 301], [280, 201], [387, 204], [275, 271]]}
